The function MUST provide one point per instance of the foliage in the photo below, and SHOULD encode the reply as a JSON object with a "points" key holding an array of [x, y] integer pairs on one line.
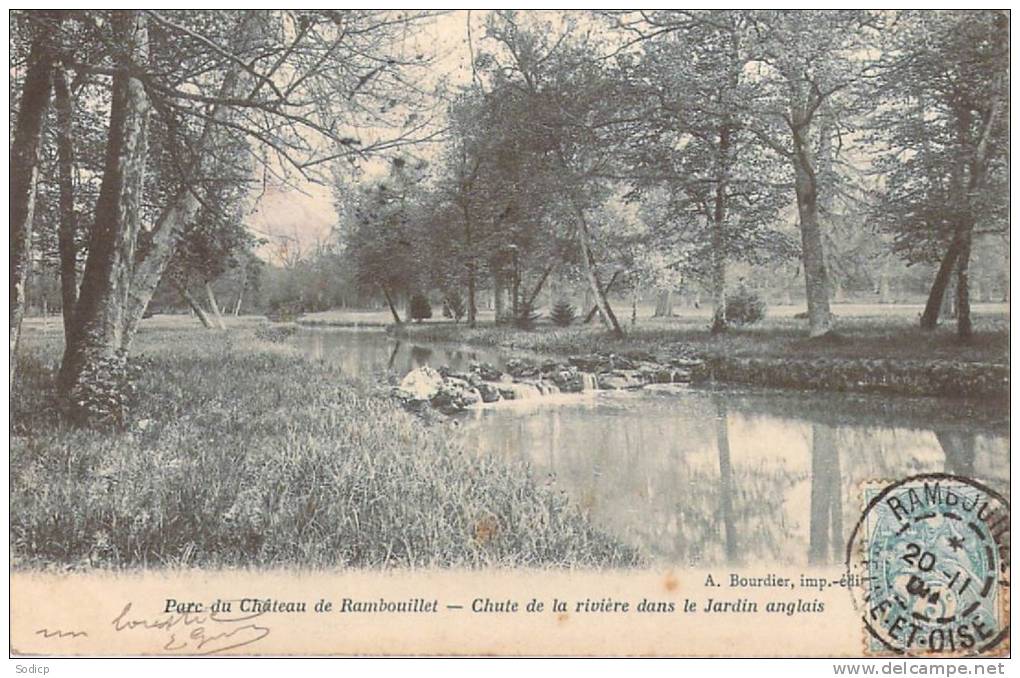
{"points": [[384, 223], [284, 311], [106, 397], [453, 306], [204, 103], [527, 317], [744, 306], [420, 308], [944, 74], [563, 313], [699, 157]]}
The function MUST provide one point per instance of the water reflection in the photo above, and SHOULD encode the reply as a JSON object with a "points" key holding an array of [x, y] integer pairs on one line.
{"points": [[722, 443], [826, 497], [364, 353], [958, 447], [702, 477]]}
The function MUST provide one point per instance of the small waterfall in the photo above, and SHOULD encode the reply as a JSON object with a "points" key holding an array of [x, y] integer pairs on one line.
{"points": [[588, 382], [519, 391], [546, 388], [528, 390]]}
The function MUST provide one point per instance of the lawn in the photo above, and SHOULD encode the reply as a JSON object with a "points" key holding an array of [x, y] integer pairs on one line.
{"points": [[877, 333], [241, 453]]}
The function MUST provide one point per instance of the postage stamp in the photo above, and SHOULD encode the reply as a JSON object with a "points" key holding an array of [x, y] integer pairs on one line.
{"points": [[933, 551]]}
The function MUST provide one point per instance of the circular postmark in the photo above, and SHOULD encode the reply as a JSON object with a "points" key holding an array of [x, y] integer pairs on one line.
{"points": [[932, 551]]}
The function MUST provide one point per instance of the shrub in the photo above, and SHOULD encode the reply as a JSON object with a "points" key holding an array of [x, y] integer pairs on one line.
{"points": [[526, 317], [453, 306], [105, 393], [420, 309], [744, 307], [284, 311], [275, 334], [563, 314]]}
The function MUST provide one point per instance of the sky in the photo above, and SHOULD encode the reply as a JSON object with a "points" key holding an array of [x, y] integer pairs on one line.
{"points": [[301, 216]]}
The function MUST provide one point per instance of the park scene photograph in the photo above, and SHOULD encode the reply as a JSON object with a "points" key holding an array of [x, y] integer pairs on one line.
{"points": [[577, 289]]}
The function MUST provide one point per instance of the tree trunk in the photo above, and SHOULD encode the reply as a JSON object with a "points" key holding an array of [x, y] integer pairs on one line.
{"points": [[117, 286], [964, 329], [949, 301], [183, 207], [538, 287], [959, 249], [815, 277], [930, 317], [196, 308], [884, 288], [515, 285], [590, 315], [838, 293], [472, 267], [68, 227], [24, 168], [664, 304], [718, 226], [719, 323], [99, 319], [499, 296], [211, 296], [472, 306], [244, 283], [393, 309], [588, 264], [979, 289]]}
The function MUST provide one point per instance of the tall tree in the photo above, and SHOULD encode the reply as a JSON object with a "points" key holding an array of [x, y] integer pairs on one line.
{"points": [[944, 134], [724, 189], [807, 68], [387, 234], [24, 162], [305, 88], [574, 115], [180, 84], [213, 243], [98, 336]]}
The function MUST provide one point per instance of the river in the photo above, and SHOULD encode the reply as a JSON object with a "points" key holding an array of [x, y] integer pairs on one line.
{"points": [[699, 476]]}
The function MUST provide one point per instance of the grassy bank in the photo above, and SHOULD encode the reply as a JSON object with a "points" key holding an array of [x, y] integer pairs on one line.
{"points": [[864, 337], [867, 353], [242, 453]]}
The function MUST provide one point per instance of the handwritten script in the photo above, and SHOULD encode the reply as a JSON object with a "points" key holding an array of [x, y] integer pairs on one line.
{"points": [[57, 633], [195, 633]]}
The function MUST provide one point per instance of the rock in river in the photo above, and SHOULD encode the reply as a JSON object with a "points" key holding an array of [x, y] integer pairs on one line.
{"points": [[422, 383], [522, 367], [486, 371], [618, 380], [489, 392], [455, 395]]}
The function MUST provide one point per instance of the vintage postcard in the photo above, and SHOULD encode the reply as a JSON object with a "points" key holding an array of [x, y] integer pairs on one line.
{"points": [[675, 333]]}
